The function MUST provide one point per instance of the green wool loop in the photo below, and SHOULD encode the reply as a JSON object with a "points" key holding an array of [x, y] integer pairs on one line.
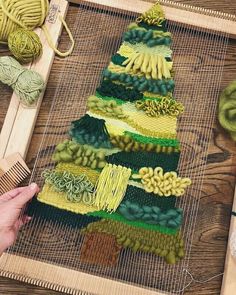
{"points": [[27, 84], [227, 109], [25, 45], [77, 188]]}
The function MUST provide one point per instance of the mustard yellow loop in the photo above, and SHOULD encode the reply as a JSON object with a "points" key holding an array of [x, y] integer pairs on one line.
{"points": [[162, 184]]}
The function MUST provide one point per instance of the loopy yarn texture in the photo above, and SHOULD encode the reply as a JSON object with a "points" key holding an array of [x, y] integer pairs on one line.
{"points": [[27, 84], [162, 184], [126, 145], [77, 188]]}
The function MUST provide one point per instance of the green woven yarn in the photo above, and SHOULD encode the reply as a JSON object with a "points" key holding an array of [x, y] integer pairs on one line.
{"points": [[27, 84], [227, 109], [25, 45]]}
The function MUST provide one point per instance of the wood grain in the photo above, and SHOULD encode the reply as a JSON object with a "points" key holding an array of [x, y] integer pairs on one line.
{"points": [[211, 232], [182, 16]]}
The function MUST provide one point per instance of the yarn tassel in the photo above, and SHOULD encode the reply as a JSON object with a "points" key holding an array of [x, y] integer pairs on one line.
{"points": [[92, 131], [111, 187], [155, 67]]}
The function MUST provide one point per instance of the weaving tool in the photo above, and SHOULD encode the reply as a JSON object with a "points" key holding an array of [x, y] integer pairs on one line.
{"points": [[45, 265], [13, 171]]}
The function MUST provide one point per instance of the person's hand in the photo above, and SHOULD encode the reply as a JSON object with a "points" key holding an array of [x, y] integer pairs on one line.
{"points": [[11, 204]]}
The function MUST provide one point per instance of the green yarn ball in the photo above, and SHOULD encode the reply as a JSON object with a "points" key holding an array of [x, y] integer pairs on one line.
{"points": [[227, 109], [25, 45]]}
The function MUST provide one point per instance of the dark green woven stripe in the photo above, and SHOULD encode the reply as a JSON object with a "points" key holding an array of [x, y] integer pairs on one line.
{"points": [[108, 88], [157, 28], [59, 216], [137, 160], [118, 59], [147, 37], [137, 195]]}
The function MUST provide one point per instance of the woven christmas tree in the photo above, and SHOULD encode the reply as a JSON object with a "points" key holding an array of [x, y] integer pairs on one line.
{"points": [[118, 170]]}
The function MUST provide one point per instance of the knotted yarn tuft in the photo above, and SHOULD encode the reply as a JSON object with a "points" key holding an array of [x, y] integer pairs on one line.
{"points": [[227, 109], [25, 45], [26, 84]]}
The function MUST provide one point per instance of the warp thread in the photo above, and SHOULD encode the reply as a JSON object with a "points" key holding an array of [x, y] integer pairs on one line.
{"points": [[227, 109], [27, 15], [193, 280], [27, 84]]}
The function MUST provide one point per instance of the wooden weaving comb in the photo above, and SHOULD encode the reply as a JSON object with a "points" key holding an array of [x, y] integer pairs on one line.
{"points": [[13, 170]]}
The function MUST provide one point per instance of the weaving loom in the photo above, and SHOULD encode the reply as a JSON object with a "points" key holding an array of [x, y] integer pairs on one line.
{"points": [[196, 62]]}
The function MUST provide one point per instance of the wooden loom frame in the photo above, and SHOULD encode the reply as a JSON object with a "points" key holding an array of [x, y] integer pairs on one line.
{"points": [[15, 139]]}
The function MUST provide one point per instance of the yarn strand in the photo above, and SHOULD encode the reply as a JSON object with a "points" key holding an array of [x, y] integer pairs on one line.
{"points": [[50, 43]]}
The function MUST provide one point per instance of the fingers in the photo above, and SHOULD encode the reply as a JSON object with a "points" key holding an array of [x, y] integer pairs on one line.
{"points": [[12, 194], [22, 221], [24, 196]]}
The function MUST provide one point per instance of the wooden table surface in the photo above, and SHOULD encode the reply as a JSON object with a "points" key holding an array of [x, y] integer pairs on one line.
{"points": [[211, 233]]}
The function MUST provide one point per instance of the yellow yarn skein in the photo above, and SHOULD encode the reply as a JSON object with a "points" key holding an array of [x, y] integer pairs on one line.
{"points": [[26, 14], [25, 45]]}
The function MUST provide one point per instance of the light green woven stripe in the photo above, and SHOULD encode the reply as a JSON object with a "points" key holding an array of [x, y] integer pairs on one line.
{"points": [[146, 139], [118, 217]]}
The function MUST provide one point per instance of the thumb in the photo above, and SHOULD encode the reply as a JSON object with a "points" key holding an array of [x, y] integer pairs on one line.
{"points": [[26, 195]]}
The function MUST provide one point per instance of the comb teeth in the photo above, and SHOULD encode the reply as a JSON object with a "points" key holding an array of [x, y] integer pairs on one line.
{"points": [[13, 177]]}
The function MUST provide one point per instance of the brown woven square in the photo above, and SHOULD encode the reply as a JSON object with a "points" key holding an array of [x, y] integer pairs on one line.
{"points": [[100, 249]]}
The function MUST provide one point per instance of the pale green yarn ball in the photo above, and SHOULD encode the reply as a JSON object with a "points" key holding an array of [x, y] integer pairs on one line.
{"points": [[227, 109], [25, 45], [27, 84]]}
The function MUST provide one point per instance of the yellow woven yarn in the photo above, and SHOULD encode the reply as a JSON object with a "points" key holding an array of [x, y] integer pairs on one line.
{"points": [[59, 200], [50, 197], [160, 183], [78, 170], [163, 126], [111, 187]]}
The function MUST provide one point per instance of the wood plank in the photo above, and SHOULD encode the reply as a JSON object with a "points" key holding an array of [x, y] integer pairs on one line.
{"points": [[26, 270], [229, 280], [178, 14], [17, 131]]}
